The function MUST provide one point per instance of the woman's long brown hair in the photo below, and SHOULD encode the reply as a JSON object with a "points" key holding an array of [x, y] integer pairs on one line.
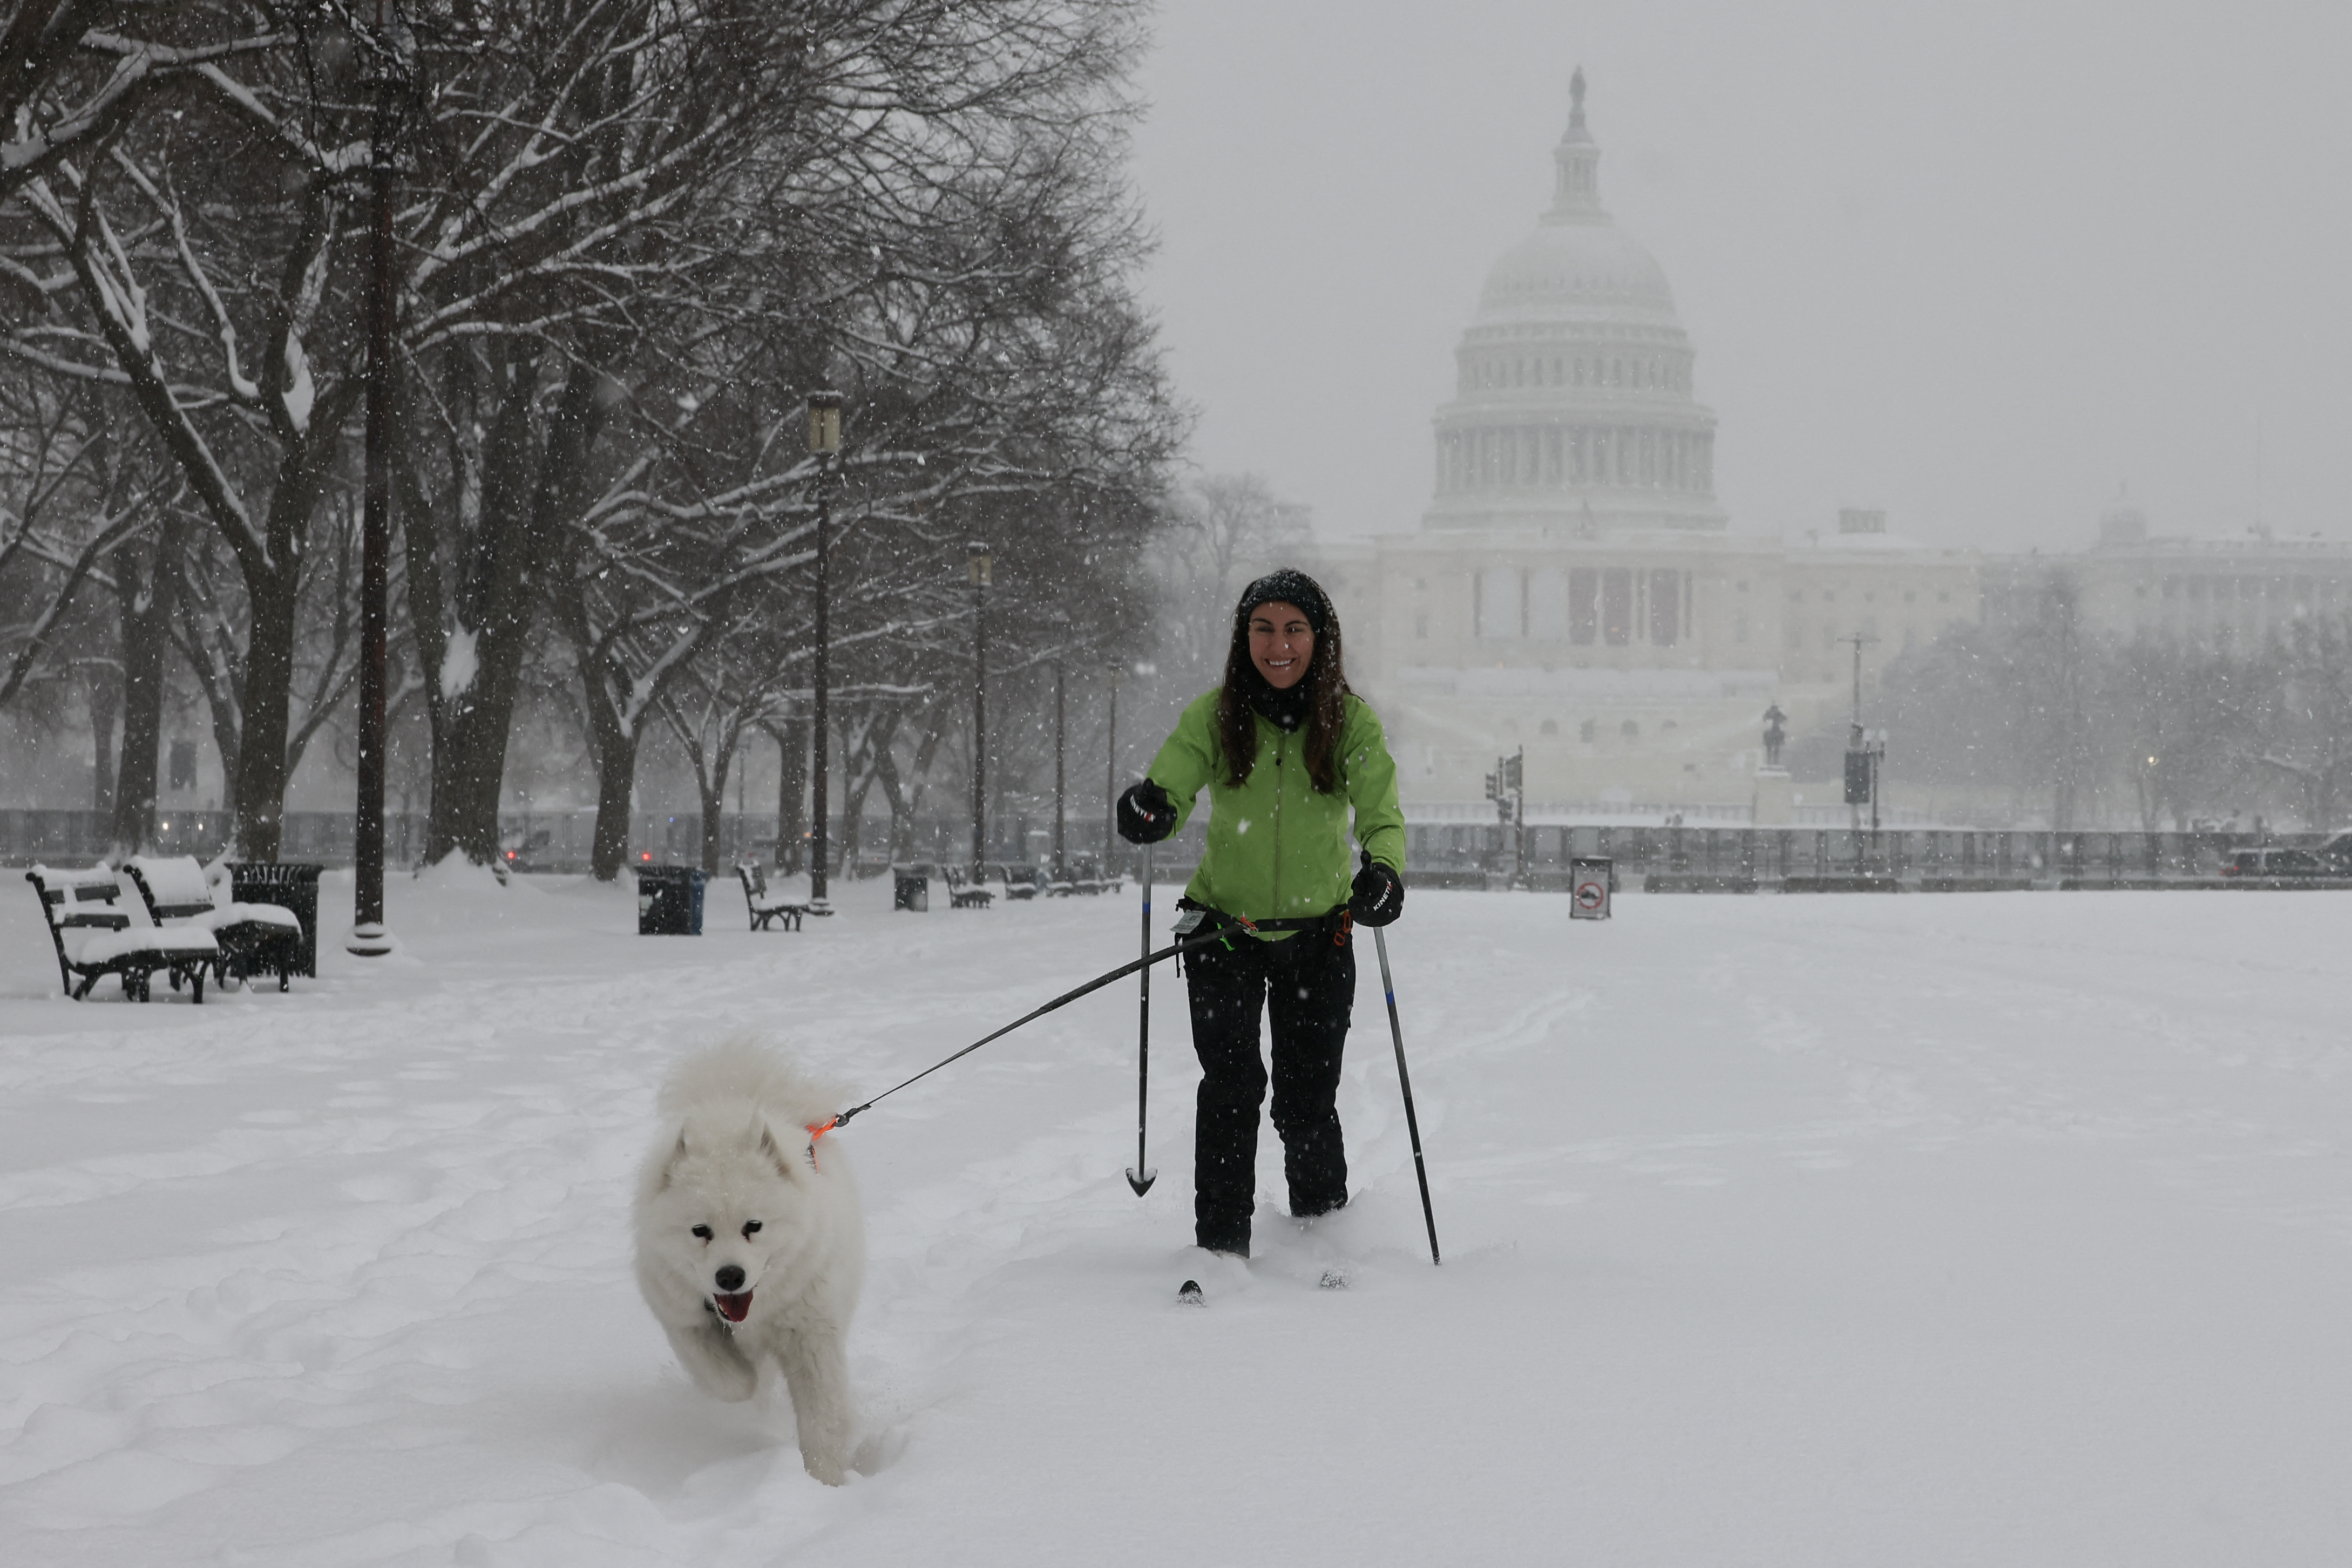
{"points": [[1326, 688]]}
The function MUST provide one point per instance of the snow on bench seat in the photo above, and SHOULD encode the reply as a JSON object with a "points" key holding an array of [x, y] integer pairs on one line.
{"points": [[254, 938]]}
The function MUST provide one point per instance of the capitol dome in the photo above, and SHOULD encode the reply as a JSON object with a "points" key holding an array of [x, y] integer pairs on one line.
{"points": [[1564, 270], [1574, 406]]}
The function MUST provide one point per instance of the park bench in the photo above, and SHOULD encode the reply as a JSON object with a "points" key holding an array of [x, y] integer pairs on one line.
{"points": [[766, 907], [1083, 874], [1022, 880], [963, 893], [94, 939], [254, 938]]}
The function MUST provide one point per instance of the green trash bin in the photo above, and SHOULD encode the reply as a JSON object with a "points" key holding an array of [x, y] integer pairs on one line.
{"points": [[669, 900]]}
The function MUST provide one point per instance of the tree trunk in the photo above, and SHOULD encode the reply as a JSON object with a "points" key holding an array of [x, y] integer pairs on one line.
{"points": [[614, 741], [712, 787], [616, 778], [473, 681], [791, 794], [147, 610], [268, 694], [102, 691]]}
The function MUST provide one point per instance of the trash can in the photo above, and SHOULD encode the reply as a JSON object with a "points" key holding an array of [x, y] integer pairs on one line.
{"points": [[1590, 883], [911, 888], [669, 900], [290, 885]]}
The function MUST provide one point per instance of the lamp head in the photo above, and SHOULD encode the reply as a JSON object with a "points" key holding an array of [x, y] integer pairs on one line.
{"points": [[823, 422]]}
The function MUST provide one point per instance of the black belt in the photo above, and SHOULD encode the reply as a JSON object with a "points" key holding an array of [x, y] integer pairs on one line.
{"points": [[1336, 920]]}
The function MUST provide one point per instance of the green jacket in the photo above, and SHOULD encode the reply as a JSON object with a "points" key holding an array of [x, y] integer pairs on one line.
{"points": [[1277, 846]]}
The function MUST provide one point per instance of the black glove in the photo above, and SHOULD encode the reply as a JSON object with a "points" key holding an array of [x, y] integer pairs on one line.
{"points": [[1146, 814], [1379, 894]]}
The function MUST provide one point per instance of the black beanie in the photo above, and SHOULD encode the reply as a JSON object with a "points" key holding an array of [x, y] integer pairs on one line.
{"points": [[1287, 585]]}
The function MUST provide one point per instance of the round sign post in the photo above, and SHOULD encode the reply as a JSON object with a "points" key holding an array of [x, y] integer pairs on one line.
{"points": [[1588, 885]]}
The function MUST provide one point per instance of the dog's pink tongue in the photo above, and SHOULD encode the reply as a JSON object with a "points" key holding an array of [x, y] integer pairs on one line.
{"points": [[734, 1308]]}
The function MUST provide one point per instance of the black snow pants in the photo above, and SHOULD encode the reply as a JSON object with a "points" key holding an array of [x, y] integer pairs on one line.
{"points": [[1308, 984]]}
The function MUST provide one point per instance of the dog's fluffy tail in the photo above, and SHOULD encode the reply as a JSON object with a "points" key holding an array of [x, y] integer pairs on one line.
{"points": [[743, 1070]]}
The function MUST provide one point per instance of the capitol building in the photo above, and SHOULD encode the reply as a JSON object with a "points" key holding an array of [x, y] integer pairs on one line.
{"points": [[1576, 589]]}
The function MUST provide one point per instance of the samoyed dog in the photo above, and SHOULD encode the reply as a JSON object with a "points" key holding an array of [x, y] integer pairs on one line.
{"points": [[751, 1242]]}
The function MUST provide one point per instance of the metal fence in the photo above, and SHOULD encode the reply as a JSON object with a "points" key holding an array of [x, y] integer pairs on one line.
{"points": [[1696, 858], [1438, 855], [561, 841]]}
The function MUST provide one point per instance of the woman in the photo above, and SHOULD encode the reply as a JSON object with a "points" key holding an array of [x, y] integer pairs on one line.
{"points": [[1287, 752]]}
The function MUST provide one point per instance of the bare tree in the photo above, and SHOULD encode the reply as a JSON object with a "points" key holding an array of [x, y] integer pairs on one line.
{"points": [[2306, 730]]}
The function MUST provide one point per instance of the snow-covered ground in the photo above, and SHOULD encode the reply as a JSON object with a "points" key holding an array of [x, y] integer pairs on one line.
{"points": [[1994, 1230]]}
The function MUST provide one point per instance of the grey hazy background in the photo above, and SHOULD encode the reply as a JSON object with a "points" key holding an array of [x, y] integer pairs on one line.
{"points": [[1978, 264]]}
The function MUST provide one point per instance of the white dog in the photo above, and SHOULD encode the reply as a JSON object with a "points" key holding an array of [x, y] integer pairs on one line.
{"points": [[751, 1242]]}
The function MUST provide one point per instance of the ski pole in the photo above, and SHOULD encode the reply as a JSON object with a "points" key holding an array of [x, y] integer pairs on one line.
{"points": [[1404, 1081], [1142, 1175]]}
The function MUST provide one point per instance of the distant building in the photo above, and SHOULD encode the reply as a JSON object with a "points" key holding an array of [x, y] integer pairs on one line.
{"points": [[1574, 588]]}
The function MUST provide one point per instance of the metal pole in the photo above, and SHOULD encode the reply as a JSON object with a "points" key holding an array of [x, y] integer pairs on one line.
{"points": [[821, 722], [1061, 792], [1404, 1082], [1521, 848], [368, 939]]}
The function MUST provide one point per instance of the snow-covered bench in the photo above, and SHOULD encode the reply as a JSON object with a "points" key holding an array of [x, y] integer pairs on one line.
{"points": [[94, 939], [766, 907], [963, 893], [253, 938]]}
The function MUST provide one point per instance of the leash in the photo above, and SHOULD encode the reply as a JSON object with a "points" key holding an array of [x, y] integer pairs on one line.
{"points": [[1098, 983], [1218, 931]]}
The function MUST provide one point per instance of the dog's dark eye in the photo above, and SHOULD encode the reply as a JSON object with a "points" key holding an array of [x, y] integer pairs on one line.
{"points": [[749, 1227], [703, 1231]]}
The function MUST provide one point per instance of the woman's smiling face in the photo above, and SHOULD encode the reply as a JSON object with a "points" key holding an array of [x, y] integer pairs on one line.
{"points": [[1281, 642]]}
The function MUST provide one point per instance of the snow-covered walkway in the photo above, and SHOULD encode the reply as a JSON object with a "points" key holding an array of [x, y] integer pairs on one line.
{"points": [[1995, 1229]]}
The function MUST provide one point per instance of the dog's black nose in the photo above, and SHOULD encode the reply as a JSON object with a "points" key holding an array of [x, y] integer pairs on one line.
{"points": [[729, 1279]]}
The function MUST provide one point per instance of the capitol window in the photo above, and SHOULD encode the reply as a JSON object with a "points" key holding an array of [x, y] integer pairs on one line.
{"points": [[1585, 731]]}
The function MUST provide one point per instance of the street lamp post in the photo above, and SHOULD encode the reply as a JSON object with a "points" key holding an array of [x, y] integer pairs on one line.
{"points": [[1507, 788], [977, 566], [824, 446], [388, 65]]}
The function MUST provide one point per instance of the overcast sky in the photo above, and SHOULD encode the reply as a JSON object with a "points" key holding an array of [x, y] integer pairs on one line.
{"points": [[1979, 264]]}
